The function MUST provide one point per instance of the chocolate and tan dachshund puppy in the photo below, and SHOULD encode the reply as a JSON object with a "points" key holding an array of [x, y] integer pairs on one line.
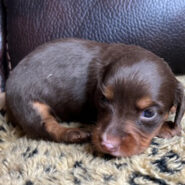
{"points": [[126, 91]]}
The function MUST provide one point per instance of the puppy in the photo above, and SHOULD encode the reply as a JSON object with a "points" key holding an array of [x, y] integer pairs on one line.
{"points": [[126, 91]]}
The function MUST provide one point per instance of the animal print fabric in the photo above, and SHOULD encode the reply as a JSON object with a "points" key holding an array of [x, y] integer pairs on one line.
{"points": [[29, 162]]}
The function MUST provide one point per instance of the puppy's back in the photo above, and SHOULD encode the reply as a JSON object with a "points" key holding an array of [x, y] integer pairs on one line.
{"points": [[55, 73]]}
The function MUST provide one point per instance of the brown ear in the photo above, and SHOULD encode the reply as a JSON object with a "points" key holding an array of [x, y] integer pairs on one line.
{"points": [[169, 128], [179, 103]]}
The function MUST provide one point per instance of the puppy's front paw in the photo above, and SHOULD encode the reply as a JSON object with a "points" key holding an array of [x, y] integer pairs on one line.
{"points": [[169, 130], [76, 135]]}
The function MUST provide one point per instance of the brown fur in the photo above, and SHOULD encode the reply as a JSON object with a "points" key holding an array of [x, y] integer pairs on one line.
{"points": [[124, 91]]}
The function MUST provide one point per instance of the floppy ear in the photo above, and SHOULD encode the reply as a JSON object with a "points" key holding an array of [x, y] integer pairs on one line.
{"points": [[169, 128], [179, 103]]}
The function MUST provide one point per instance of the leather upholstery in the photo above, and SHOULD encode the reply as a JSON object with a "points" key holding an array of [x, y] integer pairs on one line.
{"points": [[2, 53], [156, 25]]}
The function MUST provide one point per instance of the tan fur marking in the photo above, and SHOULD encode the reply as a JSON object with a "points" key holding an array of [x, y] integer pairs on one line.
{"points": [[108, 92], [51, 125], [144, 102], [55, 130], [42, 109]]}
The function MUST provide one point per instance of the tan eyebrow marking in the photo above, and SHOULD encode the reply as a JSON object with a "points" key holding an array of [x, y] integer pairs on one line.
{"points": [[144, 102]]}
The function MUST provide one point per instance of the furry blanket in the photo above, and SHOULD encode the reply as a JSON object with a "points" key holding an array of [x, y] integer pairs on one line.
{"points": [[26, 162]]}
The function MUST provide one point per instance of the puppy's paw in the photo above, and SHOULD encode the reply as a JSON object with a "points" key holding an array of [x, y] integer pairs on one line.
{"points": [[76, 135], [169, 130]]}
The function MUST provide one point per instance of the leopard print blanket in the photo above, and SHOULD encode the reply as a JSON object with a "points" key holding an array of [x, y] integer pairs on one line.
{"points": [[29, 162]]}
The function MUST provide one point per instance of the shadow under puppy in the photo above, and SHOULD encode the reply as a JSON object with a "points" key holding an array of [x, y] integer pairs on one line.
{"points": [[126, 91]]}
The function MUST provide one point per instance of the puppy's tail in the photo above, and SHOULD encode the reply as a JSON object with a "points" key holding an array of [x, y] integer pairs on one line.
{"points": [[2, 101]]}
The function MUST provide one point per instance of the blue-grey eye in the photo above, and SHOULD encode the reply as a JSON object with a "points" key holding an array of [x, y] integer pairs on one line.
{"points": [[148, 113]]}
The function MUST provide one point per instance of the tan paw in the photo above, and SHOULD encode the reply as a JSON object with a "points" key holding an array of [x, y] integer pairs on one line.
{"points": [[169, 130]]}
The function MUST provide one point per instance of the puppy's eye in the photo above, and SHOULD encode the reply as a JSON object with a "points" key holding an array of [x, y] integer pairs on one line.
{"points": [[104, 99], [148, 114]]}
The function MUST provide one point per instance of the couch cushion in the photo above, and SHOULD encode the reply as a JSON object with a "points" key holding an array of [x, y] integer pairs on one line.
{"points": [[156, 25]]}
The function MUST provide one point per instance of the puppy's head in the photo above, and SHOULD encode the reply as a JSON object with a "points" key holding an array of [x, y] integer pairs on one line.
{"points": [[135, 93]]}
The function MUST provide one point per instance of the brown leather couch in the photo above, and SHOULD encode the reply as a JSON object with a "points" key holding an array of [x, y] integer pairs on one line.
{"points": [[156, 25]]}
